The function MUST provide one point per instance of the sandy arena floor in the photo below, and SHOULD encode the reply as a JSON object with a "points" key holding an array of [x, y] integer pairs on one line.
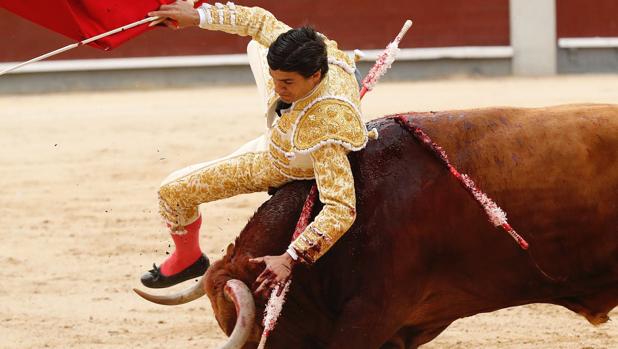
{"points": [[79, 175]]}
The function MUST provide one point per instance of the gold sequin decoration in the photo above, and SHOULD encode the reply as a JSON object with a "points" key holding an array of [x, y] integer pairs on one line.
{"points": [[294, 172], [336, 188], [281, 141], [327, 121], [247, 173], [256, 22], [278, 154]]}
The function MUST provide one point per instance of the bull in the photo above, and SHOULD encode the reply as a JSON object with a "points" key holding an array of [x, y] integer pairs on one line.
{"points": [[421, 253]]}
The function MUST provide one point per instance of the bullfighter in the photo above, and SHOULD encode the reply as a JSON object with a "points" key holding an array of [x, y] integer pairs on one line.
{"points": [[314, 121]]}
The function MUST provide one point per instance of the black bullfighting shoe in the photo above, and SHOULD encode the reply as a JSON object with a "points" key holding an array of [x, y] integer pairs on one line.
{"points": [[154, 278]]}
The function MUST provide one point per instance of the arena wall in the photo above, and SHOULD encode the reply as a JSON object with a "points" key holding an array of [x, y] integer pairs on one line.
{"points": [[454, 37], [354, 24], [587, 36]]}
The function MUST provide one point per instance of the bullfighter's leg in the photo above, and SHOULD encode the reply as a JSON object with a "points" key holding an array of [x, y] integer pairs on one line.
{"points": [[181, 194]]}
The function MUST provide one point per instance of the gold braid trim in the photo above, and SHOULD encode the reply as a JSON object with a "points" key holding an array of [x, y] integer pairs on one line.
{"points": [[278, 154], [181, 195], [256, 22], [330, 120], [293, 172], [281, 141]]}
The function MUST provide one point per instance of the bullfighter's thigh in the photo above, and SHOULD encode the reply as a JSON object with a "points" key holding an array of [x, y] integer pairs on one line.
{"points": [[242, 172]]}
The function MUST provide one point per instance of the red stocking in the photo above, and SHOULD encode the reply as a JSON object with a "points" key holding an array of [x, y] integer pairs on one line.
{"points": [[187, 249]]}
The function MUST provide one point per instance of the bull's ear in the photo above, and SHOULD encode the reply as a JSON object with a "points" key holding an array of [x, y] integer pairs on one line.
{"points": [[230, 250]]}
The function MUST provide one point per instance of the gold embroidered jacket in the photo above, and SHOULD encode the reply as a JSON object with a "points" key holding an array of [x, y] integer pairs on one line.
{"points": [[311, 139]]}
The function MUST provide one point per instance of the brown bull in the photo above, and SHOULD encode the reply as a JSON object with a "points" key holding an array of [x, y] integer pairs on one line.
{"points": [[422, 253]]}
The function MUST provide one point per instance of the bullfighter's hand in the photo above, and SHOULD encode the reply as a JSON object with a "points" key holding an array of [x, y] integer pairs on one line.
{"points": [[180, 14], [277, 272]]}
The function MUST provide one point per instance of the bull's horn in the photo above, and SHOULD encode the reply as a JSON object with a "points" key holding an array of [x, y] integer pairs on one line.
{"points": [[237, 292], [185, 296]]}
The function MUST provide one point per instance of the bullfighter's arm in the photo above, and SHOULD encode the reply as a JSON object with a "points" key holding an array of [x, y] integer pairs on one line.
{"points": [[336, 187], [256, 22]]}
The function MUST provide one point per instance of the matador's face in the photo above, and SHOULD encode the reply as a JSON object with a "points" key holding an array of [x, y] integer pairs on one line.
{"points": [[291, 86]]}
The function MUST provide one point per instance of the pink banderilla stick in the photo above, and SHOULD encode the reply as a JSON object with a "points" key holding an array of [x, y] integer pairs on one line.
{"points": [[384, 62], [495, 214]]}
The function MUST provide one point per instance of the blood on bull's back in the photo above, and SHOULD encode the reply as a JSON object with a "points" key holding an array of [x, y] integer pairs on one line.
{"points": [[553, 170]]}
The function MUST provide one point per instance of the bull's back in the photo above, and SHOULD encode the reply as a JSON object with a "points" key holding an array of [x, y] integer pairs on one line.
{"points": [[517, 148], [553, 170]]}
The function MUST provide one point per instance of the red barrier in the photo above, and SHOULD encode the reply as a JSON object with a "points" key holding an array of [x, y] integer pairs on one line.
{"points": [[353, 23]]}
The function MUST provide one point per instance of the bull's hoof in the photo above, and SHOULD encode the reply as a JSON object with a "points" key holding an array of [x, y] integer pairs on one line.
{"points": [[155, 279]]}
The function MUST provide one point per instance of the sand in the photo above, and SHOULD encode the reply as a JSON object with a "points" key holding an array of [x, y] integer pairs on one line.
{"points": [[78, 179]]}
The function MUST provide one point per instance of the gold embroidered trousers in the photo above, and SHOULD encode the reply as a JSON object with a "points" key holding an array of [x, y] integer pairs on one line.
{"points": [[247, 172], [182, 192]]}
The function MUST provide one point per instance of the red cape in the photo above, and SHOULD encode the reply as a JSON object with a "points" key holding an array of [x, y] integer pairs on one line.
{"points": [[82, 19]]}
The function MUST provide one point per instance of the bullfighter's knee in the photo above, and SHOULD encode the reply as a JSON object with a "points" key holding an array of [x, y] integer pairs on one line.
{"points": [[173, 206]]}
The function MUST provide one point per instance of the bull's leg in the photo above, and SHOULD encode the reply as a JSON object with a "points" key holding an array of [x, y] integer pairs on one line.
{"points": [[425, 336], [369, 327], [410, 337], [595, 307], [364, 325], [394, 343]]}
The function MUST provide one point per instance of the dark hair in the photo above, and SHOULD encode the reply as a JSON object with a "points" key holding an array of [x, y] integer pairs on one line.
{"points": [[300, 50]]}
